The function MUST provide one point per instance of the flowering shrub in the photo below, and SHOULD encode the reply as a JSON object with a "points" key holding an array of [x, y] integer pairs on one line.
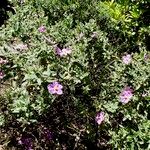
{"points": [[78, 75]]}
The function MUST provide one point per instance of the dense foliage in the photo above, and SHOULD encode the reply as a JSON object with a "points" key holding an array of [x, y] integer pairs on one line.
{"points": [[75, 75]]}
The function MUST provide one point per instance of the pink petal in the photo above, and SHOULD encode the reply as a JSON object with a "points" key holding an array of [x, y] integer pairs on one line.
{"points": [[59, 92]]}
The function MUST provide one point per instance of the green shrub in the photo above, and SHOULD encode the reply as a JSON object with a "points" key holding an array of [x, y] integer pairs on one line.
{"points": [[81, 45]]}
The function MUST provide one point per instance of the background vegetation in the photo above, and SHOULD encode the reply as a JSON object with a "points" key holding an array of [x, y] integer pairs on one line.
{"points": [[98, 51]]}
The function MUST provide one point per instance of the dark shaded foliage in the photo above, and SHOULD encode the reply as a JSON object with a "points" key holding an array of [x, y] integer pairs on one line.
{"points": [[5, 7]]}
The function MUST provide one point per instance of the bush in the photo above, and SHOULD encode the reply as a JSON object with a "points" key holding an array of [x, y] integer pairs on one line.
{"points": [[78, 75]]}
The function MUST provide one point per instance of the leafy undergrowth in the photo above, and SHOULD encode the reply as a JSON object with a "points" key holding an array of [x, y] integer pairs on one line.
{"points": [[75, 75]]}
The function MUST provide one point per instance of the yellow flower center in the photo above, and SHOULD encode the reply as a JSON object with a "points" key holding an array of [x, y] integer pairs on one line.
{"points": [[56, 88]]}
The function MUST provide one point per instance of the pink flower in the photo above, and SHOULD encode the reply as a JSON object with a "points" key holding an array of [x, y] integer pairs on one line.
{"points": [[127, 59], [1, 75], [126, 95], [100, 117], [63, 52], [57, 50], [2, 61], [55, 88], [42, 29]]}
